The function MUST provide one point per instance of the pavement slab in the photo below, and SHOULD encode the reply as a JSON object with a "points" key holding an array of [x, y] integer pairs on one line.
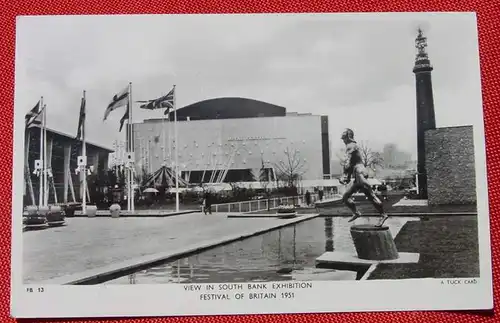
{"points": [[86, 244]]}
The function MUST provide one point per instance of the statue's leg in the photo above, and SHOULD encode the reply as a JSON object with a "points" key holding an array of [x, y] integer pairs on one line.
{"points": [[349, 202], [372, 197]]}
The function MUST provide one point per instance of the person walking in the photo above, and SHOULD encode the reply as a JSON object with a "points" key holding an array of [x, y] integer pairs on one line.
{"points": [[207, 203], [308, 198], [383, 189]]}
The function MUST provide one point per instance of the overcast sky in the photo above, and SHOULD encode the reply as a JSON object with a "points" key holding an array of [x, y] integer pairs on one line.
{"points": [[357, 69]]}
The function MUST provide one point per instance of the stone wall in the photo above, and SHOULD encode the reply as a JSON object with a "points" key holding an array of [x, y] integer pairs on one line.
{"points": [[451, 175]]}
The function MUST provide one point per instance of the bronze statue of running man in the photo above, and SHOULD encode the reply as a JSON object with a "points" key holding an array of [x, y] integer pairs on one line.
{"points": [[354, 167]]}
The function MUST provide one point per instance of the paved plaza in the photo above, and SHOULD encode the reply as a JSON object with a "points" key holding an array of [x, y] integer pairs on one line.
{"points": [[89, 243]]}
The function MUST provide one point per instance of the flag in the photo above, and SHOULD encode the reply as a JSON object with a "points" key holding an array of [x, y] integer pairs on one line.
{"points": [[125, 117], [81, 120], [166, 101], [119, 100], [34, 115]]}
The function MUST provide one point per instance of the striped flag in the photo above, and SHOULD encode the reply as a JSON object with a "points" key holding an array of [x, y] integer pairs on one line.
{"points": [[35, 115], [125, 117], [81, 120], [166, 101], [119, 100]]}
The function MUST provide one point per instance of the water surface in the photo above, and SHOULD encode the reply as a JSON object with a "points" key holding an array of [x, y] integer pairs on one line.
{"points": [[284, 254]]}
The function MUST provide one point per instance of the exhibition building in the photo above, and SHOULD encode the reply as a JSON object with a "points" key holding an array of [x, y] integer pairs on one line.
{"points": [[228, 140]]}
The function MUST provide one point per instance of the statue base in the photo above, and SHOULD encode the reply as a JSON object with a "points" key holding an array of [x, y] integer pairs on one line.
{"points": [[374, 243], [374, 246]]}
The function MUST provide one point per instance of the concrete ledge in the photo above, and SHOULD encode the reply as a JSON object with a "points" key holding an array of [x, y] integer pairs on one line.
{"points": [[274, 215], [102, 274], [138, 213], [335, 201], [251, 215], [346, 259], [409, 202]]}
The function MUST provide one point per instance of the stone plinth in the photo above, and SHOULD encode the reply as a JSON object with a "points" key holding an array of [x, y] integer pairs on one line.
{"points": [[374, 243]]}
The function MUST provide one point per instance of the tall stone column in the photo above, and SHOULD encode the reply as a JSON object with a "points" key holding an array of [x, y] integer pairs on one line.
{"points": [[425, 107]]}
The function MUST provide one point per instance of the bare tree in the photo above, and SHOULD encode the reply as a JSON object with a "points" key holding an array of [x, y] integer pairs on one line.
{"points": [[235, 188], [370, 158], [291, 168]]}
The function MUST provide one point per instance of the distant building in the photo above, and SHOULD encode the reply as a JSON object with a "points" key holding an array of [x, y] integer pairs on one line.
{"points": [[395, 158], [232, 139]]}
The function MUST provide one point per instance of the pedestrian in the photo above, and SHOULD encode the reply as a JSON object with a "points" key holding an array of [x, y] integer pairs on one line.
{"points": [[383, 189], [208, 203], [203, 203], [308, 198], [320, 194]]}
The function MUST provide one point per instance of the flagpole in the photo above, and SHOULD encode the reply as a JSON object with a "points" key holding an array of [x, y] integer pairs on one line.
{"points": [[132, 208], [84, 154], [176, 156], [127, 150], [149, 157], [45, 191], [164, 135], [170, 162], [40, 190]]}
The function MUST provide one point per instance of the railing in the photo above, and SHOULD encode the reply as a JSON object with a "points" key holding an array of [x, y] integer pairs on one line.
{"points": [[262, 204]]}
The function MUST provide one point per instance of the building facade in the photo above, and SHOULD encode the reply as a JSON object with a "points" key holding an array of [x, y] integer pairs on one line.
{"points": [[233, 140], [62, 153]]}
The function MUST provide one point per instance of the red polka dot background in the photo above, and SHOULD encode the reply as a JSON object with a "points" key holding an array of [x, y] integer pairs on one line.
{"points": [[488, 13]]}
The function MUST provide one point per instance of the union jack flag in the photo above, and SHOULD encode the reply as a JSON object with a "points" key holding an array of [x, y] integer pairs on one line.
{"points": [[166, 101]]}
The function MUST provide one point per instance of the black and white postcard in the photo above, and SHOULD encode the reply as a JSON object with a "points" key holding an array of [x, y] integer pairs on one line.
{"points": [[243, 164]]}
